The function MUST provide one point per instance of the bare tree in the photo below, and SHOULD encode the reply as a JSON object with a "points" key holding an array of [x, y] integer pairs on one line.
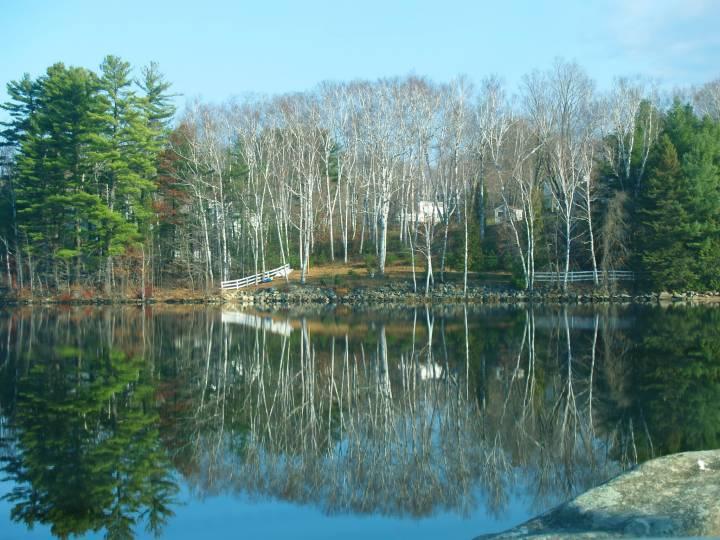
{"points": [[707, 99], [305, 145], [509, 145], [629, 128], [560, 103], [203, 152]]}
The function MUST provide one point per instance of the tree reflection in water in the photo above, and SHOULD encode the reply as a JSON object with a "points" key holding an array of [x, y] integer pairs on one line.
{"points": [[83, 448], [397, 413]]}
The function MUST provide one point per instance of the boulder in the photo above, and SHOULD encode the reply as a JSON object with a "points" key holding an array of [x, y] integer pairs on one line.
{"points": [[673, 496]]}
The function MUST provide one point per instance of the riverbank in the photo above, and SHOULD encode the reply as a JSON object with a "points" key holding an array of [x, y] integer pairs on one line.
{"points": [[672, 496], [405, 294], [380, 292]]}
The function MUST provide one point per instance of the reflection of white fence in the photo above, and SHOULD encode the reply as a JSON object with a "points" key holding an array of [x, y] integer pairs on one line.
{"points": [[283, 328], [585, 275], [262, 277]]}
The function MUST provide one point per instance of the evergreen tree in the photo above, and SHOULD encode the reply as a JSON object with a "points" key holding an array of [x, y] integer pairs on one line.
{"points": [[124, 144], [24, 94], [85, 153], [679, 236], [54, 161], [156, 103]]}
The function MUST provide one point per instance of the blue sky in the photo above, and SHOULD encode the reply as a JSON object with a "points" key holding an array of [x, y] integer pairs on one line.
{"points": [[215, 49]]}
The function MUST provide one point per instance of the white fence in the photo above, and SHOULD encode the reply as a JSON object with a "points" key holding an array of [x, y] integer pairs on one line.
{"points": [[257, 278], [584, 275]]}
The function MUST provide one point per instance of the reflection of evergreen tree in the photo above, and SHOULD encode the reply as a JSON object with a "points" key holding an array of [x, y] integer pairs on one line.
{"points": [[89, 454], [339, 413], [681, 382], [675, 374]]}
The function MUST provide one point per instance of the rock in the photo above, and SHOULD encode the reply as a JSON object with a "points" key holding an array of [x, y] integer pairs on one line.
{"points": [[676, 495], [403, 294]]}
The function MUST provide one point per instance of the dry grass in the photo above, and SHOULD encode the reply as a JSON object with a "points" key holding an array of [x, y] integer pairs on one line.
{"points": [[343, 277]]}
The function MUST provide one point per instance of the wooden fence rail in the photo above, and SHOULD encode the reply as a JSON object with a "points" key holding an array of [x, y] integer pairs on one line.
{"points": [[585, 275], [255, 279]]}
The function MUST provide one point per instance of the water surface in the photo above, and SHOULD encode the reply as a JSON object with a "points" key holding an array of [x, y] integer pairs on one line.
{"points": [[422, 423]]}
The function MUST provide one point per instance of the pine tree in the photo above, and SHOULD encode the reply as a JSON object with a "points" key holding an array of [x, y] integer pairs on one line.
{"points": [[663, 252], [23, 95], [679, 236], [85, 154], [53, 161], [125, 143], [156, 103], [157, 111]]}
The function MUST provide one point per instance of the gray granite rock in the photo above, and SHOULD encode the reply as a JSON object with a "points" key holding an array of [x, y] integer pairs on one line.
{"points": [[672, 496]]}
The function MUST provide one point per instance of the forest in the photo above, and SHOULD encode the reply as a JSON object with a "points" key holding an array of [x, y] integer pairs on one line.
{"points": [[104, 186]]}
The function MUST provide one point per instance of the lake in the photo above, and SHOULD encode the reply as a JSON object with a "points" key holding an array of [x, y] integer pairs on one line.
{"points": [[182, 421]]}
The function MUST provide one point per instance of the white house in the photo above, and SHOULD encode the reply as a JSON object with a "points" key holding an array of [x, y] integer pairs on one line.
{"points": [[505, 214], [429, 371], [254, 220], [427, 212]]}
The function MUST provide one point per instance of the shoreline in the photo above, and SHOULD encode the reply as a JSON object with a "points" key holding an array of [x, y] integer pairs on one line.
{"points": [[393, 293]]}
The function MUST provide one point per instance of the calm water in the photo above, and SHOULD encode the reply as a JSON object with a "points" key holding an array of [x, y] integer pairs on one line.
{"points": [[436, 423]]}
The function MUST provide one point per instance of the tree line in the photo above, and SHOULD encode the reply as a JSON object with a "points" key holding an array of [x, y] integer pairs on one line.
{"points": [[102, 186], [81, 165]]}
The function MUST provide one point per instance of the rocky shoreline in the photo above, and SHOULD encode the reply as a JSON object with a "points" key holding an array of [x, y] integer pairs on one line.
{"points": [[385, 294], [450, 294], [672, 496]]}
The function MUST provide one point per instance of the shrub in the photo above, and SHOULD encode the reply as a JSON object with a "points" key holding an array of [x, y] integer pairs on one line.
{"points": [[518, 279], [371, 263], [87, 294], [293, 261], [490, 261]]}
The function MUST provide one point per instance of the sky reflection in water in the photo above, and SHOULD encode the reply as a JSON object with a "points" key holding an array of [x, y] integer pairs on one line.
{"points": [[431, 423]]}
